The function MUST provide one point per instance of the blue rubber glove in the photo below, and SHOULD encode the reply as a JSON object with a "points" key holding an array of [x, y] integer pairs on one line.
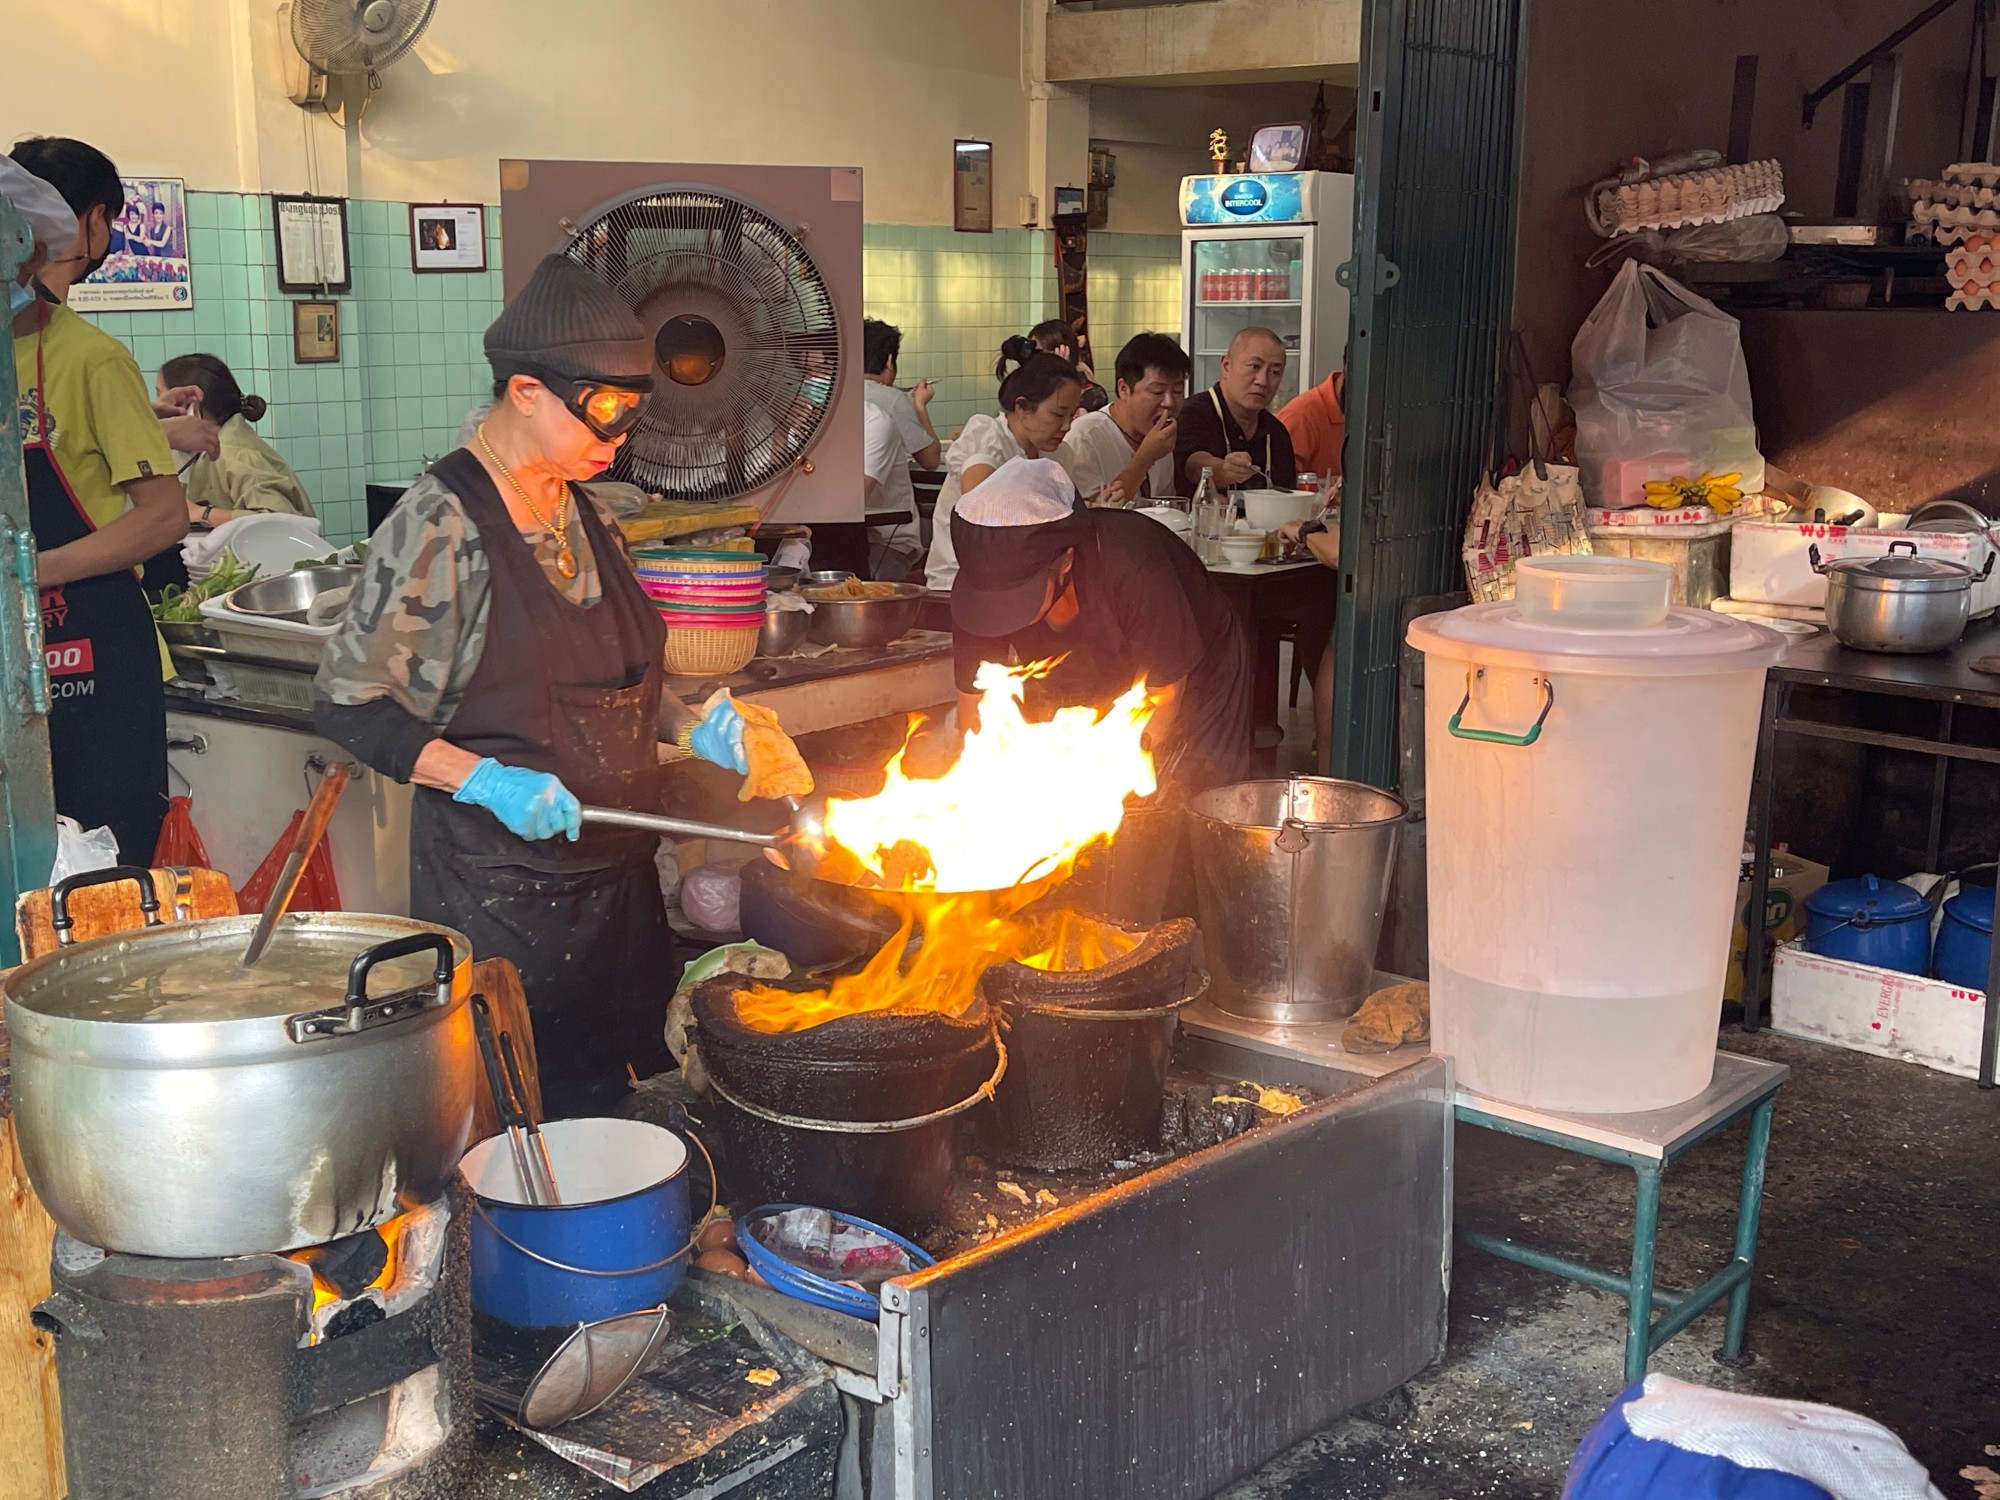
{"points": [[718, 738], [533, 804]]}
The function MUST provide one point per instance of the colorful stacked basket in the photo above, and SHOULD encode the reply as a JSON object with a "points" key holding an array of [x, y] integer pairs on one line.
{"points": [[712, 604]]}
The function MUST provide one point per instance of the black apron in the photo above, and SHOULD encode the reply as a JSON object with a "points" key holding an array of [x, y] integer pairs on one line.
{"points": [[108, 701], [573, 691]]}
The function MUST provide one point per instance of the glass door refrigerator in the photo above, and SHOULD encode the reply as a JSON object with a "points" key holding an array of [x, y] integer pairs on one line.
{"points": [[1260, 249]]}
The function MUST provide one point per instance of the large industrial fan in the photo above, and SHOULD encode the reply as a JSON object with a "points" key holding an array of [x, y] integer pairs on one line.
{"points": [[754, 311]]}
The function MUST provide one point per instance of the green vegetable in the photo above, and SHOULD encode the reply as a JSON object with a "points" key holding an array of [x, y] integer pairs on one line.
{"points": [[182, 606]]}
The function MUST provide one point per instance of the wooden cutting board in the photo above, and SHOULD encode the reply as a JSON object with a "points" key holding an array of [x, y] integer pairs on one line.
{"points": [[500, 982], [185, 895]]}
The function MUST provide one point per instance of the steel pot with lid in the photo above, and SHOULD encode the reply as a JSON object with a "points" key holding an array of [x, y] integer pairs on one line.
{"points": [[1899, 603], [171, 1102]]}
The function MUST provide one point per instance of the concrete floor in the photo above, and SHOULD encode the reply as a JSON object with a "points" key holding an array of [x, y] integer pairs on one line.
{"points": [[1877, 1289]]}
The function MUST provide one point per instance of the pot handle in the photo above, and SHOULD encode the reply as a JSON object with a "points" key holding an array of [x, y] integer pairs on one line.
{"points": [[64, 923], [358, 1012], [1987, 571], [1812, 556], [1902, 542]]}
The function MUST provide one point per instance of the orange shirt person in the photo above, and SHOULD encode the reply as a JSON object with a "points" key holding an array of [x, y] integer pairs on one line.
{"points": [[1317, 421]]}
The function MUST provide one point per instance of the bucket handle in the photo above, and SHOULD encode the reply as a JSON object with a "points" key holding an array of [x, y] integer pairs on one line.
{"points": [[871, 1127], [1501, 736], [714, 1198], [1075, 1013]]}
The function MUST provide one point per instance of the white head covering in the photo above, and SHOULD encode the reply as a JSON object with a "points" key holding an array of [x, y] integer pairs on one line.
{"points": [[49, 218], [1021, 492]]}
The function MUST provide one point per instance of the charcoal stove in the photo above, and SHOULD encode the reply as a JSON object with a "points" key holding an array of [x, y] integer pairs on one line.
{"points": [[341, 1371]]}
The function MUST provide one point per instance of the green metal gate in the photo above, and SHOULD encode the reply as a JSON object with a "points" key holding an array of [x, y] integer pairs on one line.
{"points": [[27, 802], [1438, 165]]}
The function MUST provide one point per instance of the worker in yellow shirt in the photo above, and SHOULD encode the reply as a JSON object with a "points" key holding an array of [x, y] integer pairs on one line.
{"points": [[102, 498], [247, 474]]}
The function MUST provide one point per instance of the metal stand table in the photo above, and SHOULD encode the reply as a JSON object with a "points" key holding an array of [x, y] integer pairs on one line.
{"points": [[1946, 679], [1647, 1143]]}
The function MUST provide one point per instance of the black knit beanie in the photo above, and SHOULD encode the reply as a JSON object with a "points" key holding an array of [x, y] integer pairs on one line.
{"points": [[567, 323]]}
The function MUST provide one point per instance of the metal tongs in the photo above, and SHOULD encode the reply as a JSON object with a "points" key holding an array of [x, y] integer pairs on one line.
{"points": [[510, 1098]]}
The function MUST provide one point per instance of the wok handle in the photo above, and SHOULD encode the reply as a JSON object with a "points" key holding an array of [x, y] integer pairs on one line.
{"points": [[617, 817], [64, 923]]}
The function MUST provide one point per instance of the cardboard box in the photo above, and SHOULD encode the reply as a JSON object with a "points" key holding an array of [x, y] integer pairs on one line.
{"points": [[1792, 880], [1880, 1011]]}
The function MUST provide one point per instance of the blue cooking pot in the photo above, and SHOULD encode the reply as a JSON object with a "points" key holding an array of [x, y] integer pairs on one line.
{"points": [[1883, 923], [1965, 938]]}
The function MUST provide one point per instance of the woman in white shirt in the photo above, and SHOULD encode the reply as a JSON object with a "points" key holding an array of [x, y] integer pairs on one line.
{"points": [[1038, 401]]}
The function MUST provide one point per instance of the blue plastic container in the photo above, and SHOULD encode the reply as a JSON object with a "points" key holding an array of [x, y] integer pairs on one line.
{"points": [[1965, 938], [1870, 921], [808, 1285], [619, 1242]]}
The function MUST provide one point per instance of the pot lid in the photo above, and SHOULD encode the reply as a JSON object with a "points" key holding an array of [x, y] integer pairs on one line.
{"points": [[192, 972], [1973, 905], [1905, 569], [1687, 642], [1868, 896]]}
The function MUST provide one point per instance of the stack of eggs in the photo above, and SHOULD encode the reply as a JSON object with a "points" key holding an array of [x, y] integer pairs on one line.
{"points": [[711, 602]]}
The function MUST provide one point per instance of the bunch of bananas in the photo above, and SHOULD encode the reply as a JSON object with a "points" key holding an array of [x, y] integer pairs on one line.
{"points": [[1717, 491]]}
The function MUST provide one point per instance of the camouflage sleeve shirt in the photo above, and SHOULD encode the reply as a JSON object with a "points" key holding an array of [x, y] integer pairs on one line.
{"points": [[416, 625]]}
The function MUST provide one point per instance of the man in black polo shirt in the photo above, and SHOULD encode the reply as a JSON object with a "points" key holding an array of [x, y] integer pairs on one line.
{"points": [[1111, 597], [1230, 427]]}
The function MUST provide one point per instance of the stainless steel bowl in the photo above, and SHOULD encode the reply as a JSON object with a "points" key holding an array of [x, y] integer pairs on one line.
{"points": [[824, 579], [779, 580], [865, 622], [783, 630], [289, 595]]}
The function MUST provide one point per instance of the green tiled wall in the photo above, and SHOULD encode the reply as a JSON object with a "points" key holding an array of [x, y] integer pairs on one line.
{"points": [[958, 296], [410, 361]]}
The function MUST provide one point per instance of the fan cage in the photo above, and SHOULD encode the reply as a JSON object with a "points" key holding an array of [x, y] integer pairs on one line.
{"points": [[331, 34], [676, 250]]}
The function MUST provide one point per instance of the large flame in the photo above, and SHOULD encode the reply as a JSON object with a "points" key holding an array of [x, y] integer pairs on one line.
{"points": [[1022, 801], [991, 836]]}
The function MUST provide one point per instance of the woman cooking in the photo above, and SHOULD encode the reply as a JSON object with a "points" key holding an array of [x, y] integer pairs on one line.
{"points": [[499, 653]]}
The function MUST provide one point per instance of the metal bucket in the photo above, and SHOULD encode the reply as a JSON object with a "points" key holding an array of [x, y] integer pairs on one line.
{"points": [[617, 1243], [1293, 878]]}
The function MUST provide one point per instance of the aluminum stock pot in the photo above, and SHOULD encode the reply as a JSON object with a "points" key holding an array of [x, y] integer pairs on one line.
{"points": [[1899, 603], [172, 1103]]}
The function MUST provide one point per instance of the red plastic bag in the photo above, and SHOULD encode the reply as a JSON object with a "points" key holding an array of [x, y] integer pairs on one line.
{"points": [[318, 891], [180, 845]]}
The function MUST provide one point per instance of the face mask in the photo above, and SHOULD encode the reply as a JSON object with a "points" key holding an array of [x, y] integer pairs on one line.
{"points": [[818, 389], [18, 297]]}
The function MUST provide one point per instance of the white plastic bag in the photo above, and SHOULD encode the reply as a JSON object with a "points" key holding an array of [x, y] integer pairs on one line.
{"points": [[78, 852], [1659, 382]]}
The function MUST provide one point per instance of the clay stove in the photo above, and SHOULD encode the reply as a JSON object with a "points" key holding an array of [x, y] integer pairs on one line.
{"points": [[340, 1371]]}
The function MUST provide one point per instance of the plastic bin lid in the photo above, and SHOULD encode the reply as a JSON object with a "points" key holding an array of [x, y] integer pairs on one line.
{"points": [[1973, 905], [1868, 895], [1687, 643]]}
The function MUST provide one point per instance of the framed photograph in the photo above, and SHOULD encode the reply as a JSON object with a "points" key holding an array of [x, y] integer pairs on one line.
{"points": [[312, 245], [1278, 148], [972, 186], [448, 236], [315, 333], [147, 267]]}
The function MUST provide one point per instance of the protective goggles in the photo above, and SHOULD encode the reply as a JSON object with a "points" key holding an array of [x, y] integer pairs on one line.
{"points": [[609, 411]]}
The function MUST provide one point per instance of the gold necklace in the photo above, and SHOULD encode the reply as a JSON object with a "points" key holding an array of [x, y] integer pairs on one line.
{"points": [[565, 559]]}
